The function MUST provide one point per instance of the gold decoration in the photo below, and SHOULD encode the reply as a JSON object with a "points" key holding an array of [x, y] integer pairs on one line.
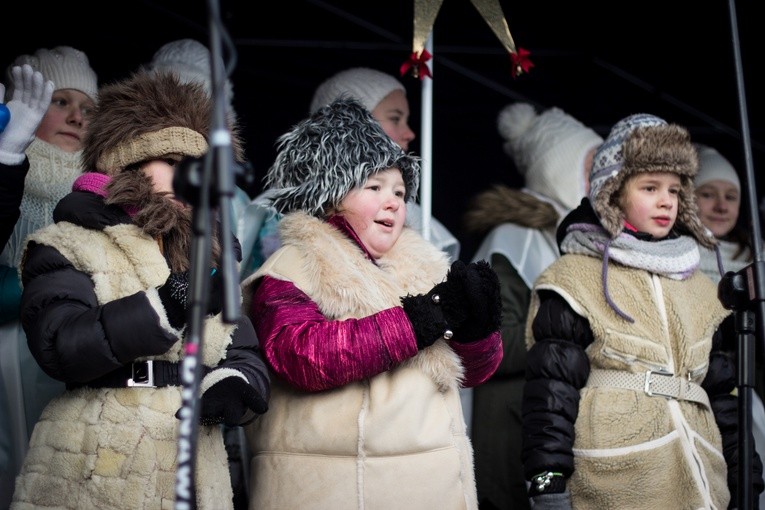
{"points": [[492, 13], [425, 12]]}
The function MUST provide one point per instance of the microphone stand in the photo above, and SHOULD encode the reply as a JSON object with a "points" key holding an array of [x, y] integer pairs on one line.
{"points": [[203, 197], [743, 292]]}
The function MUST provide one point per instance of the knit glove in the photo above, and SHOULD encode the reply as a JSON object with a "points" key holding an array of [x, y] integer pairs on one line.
{"points": [[27, 107], [174, 295], [228, 400], [553, 501], [436, 314], [483, 302]]}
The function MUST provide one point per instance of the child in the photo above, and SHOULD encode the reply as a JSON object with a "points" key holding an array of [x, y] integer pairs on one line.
{"points": [[365, 410], [104, 310], [628, 389]]}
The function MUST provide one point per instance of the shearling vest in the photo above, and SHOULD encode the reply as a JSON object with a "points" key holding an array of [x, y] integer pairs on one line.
{"points": [[396, 440], [115, 448], [630, 447]]}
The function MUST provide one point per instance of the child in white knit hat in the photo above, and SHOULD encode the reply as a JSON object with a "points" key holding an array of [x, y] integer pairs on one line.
{"points": [[52, 152], [553, 151], [629, 382]]}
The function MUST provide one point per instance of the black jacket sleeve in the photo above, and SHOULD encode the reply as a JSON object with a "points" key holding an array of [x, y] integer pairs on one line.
{"points": [[11, 191], [72, 337], [243, 354], [556, 369], [515, 307]]}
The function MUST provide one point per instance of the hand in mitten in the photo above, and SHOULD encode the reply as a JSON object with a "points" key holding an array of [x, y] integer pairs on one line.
{"points": [[228, 400], [483, 303], [554, 501], [27, 107], [174, 294], [436, 314]]}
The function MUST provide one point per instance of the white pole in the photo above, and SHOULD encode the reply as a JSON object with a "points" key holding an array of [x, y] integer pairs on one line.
{"points": [[426, 137]]}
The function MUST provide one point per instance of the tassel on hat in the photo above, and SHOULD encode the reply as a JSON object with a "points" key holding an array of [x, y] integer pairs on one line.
{"points": [[549, 150], [321, 159], [66, 67]]}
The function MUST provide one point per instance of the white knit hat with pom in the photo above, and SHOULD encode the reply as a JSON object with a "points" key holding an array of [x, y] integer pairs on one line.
{"points": [[66, 67], [549, 150], [369, 86], [190, 60]]}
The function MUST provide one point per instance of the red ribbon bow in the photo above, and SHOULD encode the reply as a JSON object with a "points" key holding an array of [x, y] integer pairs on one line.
{"points": [[418, 65], [521, 62]]}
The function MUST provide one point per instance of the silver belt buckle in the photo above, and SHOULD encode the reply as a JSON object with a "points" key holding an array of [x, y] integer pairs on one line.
{"points": [[142, 374], [648, 382]]}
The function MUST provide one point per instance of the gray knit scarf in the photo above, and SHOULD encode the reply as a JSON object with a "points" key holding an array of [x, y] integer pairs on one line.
{"points": [[675, 258]]}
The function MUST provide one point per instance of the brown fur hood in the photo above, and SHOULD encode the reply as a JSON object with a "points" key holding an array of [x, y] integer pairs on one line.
{"points": [[502, 204], [142, 104]]}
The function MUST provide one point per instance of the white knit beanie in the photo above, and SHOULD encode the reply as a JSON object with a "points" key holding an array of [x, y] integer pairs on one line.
{"points": [[714, 167], [362, 83], [66, 67], [190, 60], [549, 150]]}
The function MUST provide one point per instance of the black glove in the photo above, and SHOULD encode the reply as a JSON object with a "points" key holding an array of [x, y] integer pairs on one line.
{"points": [[554, 501], [228, 400], [437, 313], [483, 303], [174, 296]]}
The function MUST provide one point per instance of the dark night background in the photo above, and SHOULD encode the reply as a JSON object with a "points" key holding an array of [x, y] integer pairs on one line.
{"points": [[598, 61]]}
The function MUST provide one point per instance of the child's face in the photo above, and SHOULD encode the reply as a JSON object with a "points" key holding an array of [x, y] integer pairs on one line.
{"points": [[719, 203], [66, 120], [377, 211], [649, 201]]}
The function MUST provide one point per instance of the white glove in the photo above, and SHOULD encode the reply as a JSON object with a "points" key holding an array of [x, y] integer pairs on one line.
{"points": [[30, 101]]}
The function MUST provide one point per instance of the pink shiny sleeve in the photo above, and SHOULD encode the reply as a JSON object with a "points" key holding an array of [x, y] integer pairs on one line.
{"points": [[480, 359], [314, 353]]}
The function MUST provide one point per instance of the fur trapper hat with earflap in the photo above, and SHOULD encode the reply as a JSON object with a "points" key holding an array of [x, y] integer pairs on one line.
{"points": [[330, 153], [149, 116], [549, 149], [645, 143]]}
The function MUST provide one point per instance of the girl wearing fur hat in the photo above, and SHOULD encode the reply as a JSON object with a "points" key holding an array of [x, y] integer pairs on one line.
{"points": [[628, 400], [367, 336], [104, 310], [385, 98]]}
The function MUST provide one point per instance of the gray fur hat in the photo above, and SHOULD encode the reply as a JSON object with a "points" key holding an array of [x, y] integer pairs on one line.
{"points": [[645, 143], [335, 150]]}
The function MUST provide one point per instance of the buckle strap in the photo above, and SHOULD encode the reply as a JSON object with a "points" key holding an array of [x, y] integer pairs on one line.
{"points": [[652, 383], [139, 374]]}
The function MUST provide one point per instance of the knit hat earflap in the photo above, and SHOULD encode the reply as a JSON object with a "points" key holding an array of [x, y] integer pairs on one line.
{"points": [[148, 116], [645, 143], [66, 67], [549, 149], [322, 158], [714, 167], [369, 86]]}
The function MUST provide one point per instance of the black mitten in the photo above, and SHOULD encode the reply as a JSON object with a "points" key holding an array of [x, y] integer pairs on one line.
{"points": [[228, 400], [437, 313], [173, 295], [483, 303]]}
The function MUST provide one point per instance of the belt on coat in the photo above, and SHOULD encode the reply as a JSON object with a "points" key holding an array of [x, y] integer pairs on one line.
{"points": [[139, 374], [652, 383]]}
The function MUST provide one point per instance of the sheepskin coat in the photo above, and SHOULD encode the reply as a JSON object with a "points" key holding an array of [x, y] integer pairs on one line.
{"points": [[630, 447], [391, 436], [90, 298]]}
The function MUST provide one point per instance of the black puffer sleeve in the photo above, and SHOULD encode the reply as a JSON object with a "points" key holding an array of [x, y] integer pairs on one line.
{"points": [[719, 384], [557, 368], [72, 337], [244, 355]]}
